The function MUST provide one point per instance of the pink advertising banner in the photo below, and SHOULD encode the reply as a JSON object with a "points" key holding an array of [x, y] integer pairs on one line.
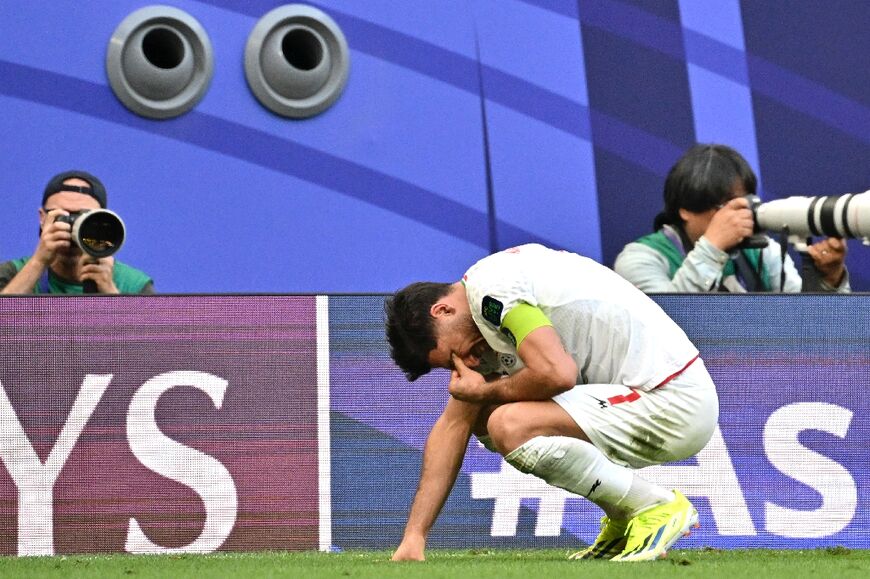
{"points": [[158, 424]]}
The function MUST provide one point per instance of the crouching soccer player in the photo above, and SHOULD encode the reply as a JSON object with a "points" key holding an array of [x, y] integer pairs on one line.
{"points": [[569, 372]]}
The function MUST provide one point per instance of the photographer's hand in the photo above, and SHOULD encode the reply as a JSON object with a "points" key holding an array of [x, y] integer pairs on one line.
{"points": [[56, 237], [829, 257], [730, 224], [100, 271]]}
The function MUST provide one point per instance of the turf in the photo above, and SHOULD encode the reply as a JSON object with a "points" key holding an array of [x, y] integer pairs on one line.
{"points": [[480, 564]]}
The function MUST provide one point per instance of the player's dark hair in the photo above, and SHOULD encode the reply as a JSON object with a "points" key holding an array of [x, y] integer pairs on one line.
{"points": [[410, 328], [702, 179]]}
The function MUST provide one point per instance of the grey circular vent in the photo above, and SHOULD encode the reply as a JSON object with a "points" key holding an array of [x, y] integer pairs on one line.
{"points": [[159, 62], [296, 61]]}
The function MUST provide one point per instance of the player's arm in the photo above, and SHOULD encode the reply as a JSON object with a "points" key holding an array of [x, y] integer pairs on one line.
{"points": [[549, 370], [24, 281], [442, 458], [54, 236]]}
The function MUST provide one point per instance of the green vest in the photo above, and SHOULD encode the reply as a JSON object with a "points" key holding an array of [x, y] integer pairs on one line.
{"points": [[128, 280], [663, 244]]}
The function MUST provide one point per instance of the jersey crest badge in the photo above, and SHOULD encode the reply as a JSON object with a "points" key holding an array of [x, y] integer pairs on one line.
{"points": [[507, 360]]}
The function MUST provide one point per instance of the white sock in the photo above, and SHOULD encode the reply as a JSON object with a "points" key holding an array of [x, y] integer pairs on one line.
{"points": [[578, 467], [643, 495]]}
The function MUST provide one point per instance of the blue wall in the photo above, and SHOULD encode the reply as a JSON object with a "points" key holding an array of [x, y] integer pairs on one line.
{"points": [[466, 126]]}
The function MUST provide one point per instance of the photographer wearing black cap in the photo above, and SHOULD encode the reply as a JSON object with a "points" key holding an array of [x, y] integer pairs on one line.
{"points": [[58, 265]]}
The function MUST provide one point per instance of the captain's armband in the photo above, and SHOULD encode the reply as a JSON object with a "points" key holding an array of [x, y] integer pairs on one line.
{"points": [[521, 321]]}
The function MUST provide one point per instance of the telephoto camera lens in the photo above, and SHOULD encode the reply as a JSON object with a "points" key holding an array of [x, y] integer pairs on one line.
{"points": [[99, 233], [846, 216]]}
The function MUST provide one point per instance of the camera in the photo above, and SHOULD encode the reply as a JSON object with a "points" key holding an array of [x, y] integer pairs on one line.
{"points": [[99, 233], [846, 216]]}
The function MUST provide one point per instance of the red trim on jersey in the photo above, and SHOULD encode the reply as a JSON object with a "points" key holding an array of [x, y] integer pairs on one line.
{"points": [[675, 374], [614, 400]]}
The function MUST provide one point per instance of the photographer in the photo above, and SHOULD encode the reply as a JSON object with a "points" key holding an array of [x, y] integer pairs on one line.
{"points": [[695, 247], [58, 265]]}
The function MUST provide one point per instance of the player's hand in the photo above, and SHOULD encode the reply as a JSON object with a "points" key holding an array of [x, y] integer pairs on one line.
{"points": [[467, 384], [411, 549], [56, 237], [99, 271], [731, 224], [829, 257]]}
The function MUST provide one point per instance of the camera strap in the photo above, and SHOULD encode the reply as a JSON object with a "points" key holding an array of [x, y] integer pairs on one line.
{"points": [[44, 286], [783, 244], [748, 276]]}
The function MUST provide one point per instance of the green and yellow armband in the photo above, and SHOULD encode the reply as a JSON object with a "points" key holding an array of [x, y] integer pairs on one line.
{"points": [[521, 321]]}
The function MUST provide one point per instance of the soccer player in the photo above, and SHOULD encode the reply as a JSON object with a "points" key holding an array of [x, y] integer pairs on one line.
{"points": [[569, 372]]}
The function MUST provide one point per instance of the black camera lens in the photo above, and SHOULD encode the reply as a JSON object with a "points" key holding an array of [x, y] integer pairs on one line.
{"points": [[101, 234]]}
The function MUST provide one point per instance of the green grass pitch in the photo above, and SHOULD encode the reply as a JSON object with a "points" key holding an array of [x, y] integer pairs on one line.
{"points": [[479, 564]]}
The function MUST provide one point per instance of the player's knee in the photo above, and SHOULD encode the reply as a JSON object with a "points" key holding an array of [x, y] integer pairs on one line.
{"points": [[509, 428], [512, 425]]}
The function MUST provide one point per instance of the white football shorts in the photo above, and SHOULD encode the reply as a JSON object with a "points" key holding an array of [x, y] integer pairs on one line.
{"points": [[636, 428]]}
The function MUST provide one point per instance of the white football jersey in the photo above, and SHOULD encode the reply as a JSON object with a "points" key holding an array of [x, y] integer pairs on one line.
{"points": [[615, 333]]}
